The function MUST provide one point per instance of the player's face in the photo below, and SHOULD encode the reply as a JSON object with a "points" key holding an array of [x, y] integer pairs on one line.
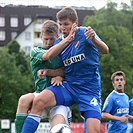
{"points": [[119, 83], [65, 26], [48, 39]]}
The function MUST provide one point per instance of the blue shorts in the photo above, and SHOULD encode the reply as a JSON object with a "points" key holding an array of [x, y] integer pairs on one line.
{"points": [[89, 105]]}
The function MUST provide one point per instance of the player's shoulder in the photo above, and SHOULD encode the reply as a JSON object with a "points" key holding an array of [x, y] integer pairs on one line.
{"points": [[126, 96], [131, 100], [81, 29], [112, 95], [58, 40], [38, 49]]}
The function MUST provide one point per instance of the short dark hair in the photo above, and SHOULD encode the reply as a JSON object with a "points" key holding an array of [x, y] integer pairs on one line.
{"points": [[117, 73], [67, 12]]}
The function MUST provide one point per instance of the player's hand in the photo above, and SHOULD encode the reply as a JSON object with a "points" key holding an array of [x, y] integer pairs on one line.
{"points": [[124, 118], [56, 81], [89, 33], [71, 35], [42, 73]]}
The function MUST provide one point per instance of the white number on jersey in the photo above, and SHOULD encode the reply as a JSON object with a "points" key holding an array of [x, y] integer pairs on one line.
{"points": [[94, 102]]}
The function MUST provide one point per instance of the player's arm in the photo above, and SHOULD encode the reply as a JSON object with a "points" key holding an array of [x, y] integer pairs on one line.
{"points": [[100, 45], [50, 72], [56, 49], [57, 74], [108, 116], [130, 118]]}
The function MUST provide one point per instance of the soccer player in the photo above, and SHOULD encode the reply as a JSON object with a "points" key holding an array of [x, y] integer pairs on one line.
{"points": [[39, 59], [79, 58], [131, 113], [116, 106]]}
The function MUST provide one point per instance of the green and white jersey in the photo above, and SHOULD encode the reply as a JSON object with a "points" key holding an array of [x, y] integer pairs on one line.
{"points": [[36, 63]]}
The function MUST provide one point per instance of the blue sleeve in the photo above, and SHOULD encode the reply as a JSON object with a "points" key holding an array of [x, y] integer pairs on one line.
{"points": [[108, 104], [97, 37], [91, 43], [131, 107]]}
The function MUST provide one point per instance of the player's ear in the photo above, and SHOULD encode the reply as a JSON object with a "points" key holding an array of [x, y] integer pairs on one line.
{"points": [[41, 36], [125, 82], [112, 83]]}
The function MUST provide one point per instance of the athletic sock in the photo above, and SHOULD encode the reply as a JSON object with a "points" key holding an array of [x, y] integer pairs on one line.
{"points": [[31, 123], [19, 121], [35, 117]]}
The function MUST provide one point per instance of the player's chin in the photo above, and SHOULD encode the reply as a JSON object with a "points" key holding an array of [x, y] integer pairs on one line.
{"points": [[65, 34], [48, 47]]}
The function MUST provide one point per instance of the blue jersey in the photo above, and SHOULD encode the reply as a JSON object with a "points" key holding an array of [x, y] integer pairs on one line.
{"points": [[131, 112], [116, 104], [80, 58]]}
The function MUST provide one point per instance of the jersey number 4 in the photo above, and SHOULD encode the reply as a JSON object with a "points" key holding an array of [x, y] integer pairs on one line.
{"points": [[94, 102]]}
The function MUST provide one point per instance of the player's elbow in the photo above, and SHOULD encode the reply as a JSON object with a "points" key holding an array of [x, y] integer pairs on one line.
{"points": [[105, 50], [47, 57], [104, 115]]}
